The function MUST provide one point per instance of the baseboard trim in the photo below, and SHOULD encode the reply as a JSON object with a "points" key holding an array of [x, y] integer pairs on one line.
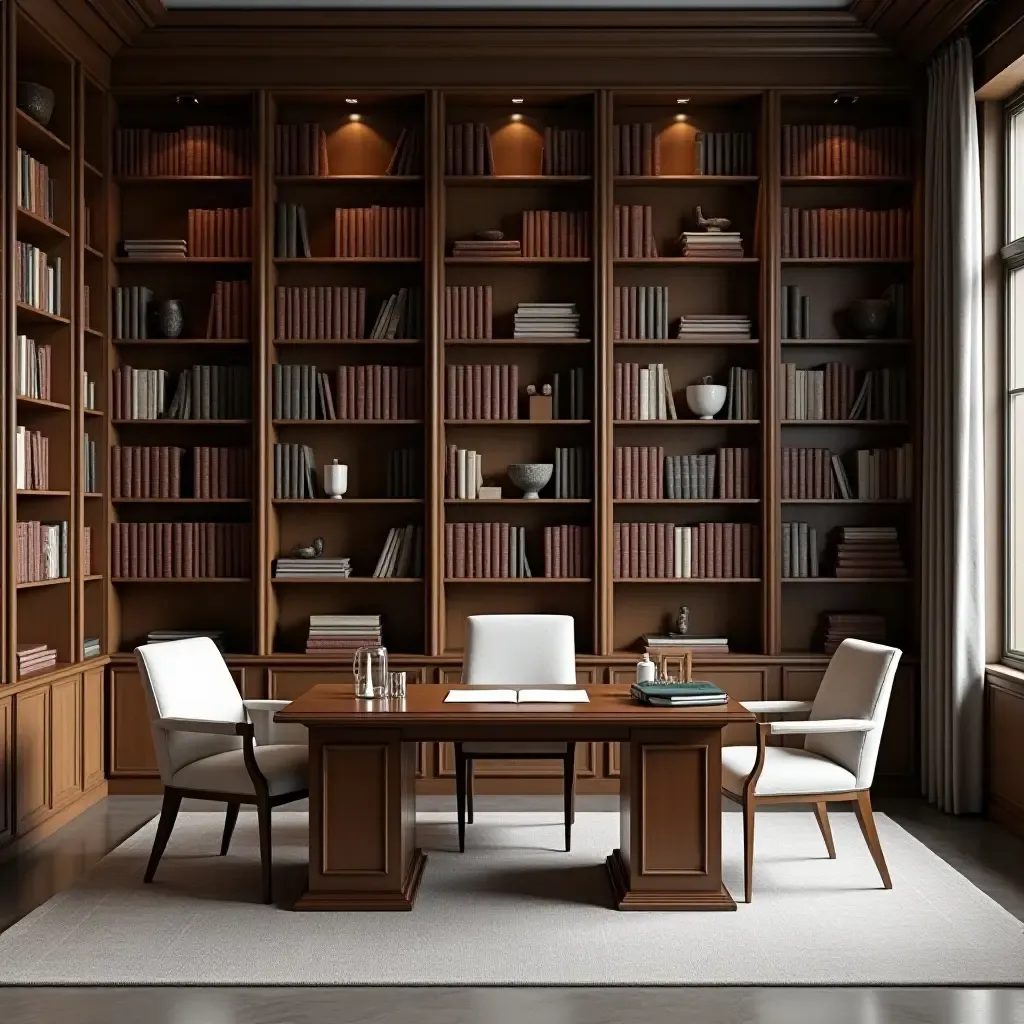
{"points": [[1007, 814], [135, 787], [57, 820]]}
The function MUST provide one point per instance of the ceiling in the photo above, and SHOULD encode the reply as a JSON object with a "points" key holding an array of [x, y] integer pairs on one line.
{"points": [[554, 5]]}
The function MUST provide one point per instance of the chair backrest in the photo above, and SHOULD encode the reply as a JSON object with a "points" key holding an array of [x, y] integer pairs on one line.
{"points": [[857, 684], [188, 679], [520, 650]]}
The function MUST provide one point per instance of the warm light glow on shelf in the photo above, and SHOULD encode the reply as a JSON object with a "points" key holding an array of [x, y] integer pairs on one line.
{"points": [[516, 117], [355, 117], [680, 117]]}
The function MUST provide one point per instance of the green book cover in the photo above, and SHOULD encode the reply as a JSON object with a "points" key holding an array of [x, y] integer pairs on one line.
{"points": [[693, 689]]}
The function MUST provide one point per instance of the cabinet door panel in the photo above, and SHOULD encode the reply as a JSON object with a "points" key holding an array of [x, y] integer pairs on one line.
{"points": [[92, 728], [32, 758], [131, 742], [66, 740], [6, 775]]}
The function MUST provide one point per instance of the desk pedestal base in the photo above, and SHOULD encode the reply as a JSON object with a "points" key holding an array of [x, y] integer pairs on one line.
{"points": [[662, 899]]}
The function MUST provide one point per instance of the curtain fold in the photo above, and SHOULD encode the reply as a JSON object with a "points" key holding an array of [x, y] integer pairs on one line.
{"points": [[952, 525]]}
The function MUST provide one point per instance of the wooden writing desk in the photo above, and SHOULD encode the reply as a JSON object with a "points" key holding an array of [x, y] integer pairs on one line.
{"points": [[362, 797]]}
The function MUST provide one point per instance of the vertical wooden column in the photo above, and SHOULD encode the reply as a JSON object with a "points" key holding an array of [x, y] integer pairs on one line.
{"points": [[362, 821], [670, 821], [7, 596], [262, 295]]}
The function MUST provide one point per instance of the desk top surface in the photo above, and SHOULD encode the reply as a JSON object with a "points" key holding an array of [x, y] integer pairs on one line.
{"points": [[335, 704]]}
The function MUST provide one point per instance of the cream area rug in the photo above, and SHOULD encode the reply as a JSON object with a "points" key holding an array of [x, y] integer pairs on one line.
{"points": [[515, 909]]}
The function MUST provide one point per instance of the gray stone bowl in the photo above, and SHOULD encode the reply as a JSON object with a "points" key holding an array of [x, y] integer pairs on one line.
{"points": [[530, 477], [37, 101]]}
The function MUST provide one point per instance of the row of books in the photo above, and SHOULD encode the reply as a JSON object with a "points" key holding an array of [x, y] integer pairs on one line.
{"points": [[34, 658], [724, 153], [809, 473], [195, 150], [644, 551], [400, 315], [845, 149], [300, 150], [569, 395], [636, 150], [407, 157], [711, 245], [642, 392], [379, 231], [202, 393], [482, 392], [869, 552], [39, 280], [881, 473], [830, 393], [32, 363], [320, 313], [463, 473], [91, 648], [291, 231], [35, 187], [795, 312], [640, 311], [88, 392], [31, 460], [566, 151], [87, 550], [221, 232], [468, 311], [490, 551], [131, 312], [546, 320], [363, 393], [288, 567], [647, 473], [742, 401], [846, 233], [230, 310], [342, 633], [402, 554], [42, 551], [467, 149], [721, 326], [405, 474], [556, 233], [294, 472], [633, 232], [573, 476], [567, 552], [158, 471], [835, 627], [799, 551], [181, 550], [90, 466]]}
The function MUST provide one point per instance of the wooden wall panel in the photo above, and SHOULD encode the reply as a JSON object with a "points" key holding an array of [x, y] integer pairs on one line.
{"points": [[6, 769], [66, 740], [92, 728], [33, 798], [1005, 726]]}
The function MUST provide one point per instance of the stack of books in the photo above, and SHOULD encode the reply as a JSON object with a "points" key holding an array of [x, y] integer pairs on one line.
{"points": [[546, 320], [685, 642], [342, 634], [723, 326], [840, 626], [327, 568], [679, 695], [42, 551], [156, 248], [487, 248], [162, 636], [706, 245], [91, 648], [402, 555], [871, 552], [35, 658]]}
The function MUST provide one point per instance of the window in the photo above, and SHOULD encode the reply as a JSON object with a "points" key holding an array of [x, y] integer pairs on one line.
{"points": [[1013, 258]]}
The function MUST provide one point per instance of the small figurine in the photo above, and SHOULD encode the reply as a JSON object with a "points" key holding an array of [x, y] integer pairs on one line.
{"points": [[682, 621], [531, 389], [314, 550], [546, 390], [711, 224]]}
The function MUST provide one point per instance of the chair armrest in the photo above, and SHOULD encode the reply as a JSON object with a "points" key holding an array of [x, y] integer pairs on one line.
{"points": [[777, 707], [204, 725], [823, 725], [267, 730]]}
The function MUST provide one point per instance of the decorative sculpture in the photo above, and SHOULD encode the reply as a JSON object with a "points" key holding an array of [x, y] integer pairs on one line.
{"points": [[314, 550]]}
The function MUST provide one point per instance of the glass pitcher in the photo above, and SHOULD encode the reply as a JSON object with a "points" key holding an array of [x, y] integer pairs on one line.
{"points": [[370, 667]]}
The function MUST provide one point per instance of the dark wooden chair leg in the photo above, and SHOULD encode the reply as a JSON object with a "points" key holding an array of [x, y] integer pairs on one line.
{"points": [[867, 827], [569, 790], [469, 790], [748, 848], [229, 826], [460, 794], [263, 813], [821, 813], [168, 812]]}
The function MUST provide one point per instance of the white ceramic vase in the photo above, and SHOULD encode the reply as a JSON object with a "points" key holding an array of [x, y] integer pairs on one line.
{"points": [[335, 479], [705, 400]]}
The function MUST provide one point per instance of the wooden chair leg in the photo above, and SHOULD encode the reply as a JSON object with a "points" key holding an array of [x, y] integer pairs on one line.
{"points": [[821, 813], [263, 813], [469, 790], [229, 826], [168, 812], [569, 790], [460, 794], [867, 827], [748, 848]]}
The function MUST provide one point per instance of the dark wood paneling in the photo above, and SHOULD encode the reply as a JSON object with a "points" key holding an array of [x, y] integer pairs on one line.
{"points": [[1005, 726], [6, 766]]}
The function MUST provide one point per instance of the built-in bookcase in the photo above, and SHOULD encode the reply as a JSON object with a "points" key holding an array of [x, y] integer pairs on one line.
{"points": [[358, 198]]}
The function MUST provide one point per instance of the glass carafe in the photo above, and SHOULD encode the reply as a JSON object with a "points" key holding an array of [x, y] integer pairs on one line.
{"points": [[370, 667]]}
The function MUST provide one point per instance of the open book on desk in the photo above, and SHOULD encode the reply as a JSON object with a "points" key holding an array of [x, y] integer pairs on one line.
{"points": [[532, 695]]}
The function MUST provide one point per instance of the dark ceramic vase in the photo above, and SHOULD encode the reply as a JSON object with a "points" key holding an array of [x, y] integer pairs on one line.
{"points": [[37, 101], [172, 318], [870, 317]]}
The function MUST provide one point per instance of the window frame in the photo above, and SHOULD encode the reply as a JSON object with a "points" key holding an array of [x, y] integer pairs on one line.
{"points": [[1012, 255]]}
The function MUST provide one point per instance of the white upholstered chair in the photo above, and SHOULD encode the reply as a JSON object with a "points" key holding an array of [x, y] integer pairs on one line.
{"points": [[517, 651], [837, 762], [212, 745]]}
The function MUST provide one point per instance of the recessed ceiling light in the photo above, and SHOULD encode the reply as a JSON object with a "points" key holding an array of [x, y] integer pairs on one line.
{"points": [[683, 99], [517, 99], [516, 117], [349, 99], [680, 117], [355, 117]]}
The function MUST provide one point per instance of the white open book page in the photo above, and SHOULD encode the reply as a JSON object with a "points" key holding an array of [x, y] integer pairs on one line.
{"points": [[482, 695], [558, 695]]}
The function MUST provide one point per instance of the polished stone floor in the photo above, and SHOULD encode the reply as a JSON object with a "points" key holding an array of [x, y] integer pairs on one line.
{"points": [[991, 858]]}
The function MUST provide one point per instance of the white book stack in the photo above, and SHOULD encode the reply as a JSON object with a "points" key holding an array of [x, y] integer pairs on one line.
{"points": [[331, 568], [712, 244], [724, 326], [546, 320], [342, 634], [469, 473], [402, 555]]}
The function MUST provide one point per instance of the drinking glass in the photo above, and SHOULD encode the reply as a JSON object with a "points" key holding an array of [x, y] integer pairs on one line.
{"points": [[396, 684]]}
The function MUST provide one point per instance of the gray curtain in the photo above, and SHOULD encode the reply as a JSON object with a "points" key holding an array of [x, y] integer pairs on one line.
{"points": [[952, 534]]}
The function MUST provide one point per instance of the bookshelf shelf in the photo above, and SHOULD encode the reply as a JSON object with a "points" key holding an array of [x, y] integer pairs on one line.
{"points": [[846, 179], [179, 179], [178, 261], [44, 583], [342, 502], [848, 579], [541, 502], [686, 501], [827, 342], [517, 423], [93, 577], [176, 342], [92, 494], [93, 332], [43, 494], [673, 580], [158, 581], [346, 423], [512, 261], [184, 423], [520, 580], [92, 170], [98, 413], [689, 423], [39, 315], [515, 342], [684, 261], [683, 343], [845, 423], [35, 136], [345, 580], [842, 261], [181, 501], [847, 501], [349, 342], [626, 180], [24, 402], [347, 179], [500, 180], [38, 230], [94, 253], [313, 261]]}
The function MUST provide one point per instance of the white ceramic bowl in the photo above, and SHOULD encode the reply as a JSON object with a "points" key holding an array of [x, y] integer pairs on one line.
{"points": [[705, 400]]}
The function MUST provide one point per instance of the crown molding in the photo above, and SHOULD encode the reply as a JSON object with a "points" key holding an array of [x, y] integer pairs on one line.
{"points": [[915, 27]]}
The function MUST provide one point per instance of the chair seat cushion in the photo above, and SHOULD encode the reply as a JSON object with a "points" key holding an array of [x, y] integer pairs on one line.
{"points": [[284, 765], [511, 749], [788, 771]]}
